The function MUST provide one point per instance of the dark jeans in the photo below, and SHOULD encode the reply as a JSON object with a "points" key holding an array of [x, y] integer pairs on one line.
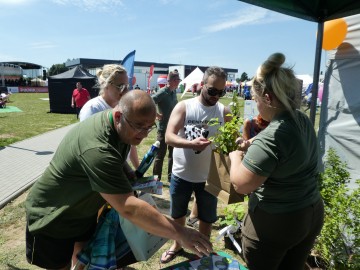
{"points": [[281, 241], [78, 109], [159, 159]]}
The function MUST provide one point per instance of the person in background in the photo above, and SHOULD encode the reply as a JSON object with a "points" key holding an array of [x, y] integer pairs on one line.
{"points": [[5, 97], [62, 205], [252, 126], [79, 97], [280, 172], [247, 92], [166, 99], [192, 152], [113, 83]]}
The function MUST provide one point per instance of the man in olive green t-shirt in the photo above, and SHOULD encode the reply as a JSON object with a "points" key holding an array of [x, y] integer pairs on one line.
{"points": [[166, 100], [88, 169]]}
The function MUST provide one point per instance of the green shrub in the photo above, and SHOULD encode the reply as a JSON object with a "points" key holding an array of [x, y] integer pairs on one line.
{"points": [[338, 245], [233, 212]]}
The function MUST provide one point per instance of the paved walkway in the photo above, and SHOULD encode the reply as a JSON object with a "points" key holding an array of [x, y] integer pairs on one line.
{"points": [[23, 162]]}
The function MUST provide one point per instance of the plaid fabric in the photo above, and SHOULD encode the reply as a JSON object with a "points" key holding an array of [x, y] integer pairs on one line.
{"points": [[106, 246]]}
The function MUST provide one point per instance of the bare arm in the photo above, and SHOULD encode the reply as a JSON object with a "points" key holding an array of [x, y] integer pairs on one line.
{"points": [[176, 122], [243, 180], [148, 218], [246, 130], [129, 172], [134, 158], [72, 102]]}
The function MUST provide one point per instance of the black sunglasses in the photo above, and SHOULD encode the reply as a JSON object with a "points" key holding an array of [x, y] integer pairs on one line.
{"points": [[122, 87], [212, 91]]}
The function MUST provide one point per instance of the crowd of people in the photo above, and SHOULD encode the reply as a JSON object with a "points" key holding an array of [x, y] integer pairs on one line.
{"points": [[276, 165]]}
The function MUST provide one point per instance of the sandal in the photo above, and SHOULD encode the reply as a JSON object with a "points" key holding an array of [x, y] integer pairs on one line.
{"points": [[171, 253], [193, 222]]}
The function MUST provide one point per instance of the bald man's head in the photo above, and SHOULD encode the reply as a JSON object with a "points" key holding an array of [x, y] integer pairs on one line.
{"points": [[137, 102]]}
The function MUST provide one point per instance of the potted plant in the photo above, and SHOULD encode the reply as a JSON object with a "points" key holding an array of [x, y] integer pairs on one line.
{"points": [[233, 215], [224, 140], [338, 245]]}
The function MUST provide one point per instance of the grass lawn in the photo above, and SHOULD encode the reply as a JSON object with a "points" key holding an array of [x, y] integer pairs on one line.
{"points": [[33, 120]]}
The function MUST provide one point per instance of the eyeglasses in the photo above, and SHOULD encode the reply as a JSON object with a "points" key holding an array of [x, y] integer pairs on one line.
{"points": [[122, 87], [212, 91], [139, 129]]}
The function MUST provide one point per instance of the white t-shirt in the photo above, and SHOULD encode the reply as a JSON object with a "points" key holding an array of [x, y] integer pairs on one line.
{"points": [[186, 164], [93, 106]]}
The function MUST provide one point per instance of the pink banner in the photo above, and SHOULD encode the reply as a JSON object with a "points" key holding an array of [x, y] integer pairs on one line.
{"points": [[151, 72]]}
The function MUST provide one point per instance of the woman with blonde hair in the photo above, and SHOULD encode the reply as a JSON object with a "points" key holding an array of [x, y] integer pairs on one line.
{"points": [[114, 83], [279, 170]]}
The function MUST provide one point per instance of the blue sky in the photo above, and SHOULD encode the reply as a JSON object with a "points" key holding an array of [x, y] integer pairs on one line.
{"points": [[227, 33]]}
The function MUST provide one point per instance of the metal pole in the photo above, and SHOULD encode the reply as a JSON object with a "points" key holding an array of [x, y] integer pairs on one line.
{"points": [[315, 87], [145, 88]]}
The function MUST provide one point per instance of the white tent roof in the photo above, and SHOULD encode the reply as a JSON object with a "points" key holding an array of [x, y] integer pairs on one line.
{"points": [[195, 76]]}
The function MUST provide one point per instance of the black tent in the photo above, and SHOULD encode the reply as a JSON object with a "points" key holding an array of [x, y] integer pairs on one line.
{"points": [[62, 85]]}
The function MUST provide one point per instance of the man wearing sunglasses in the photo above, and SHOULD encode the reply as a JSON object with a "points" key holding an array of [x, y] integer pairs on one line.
{"points": [[62, 206], [192, 153], [165, 100]]}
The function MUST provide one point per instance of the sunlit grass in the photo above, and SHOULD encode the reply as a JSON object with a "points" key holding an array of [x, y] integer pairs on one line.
{"points": [[34, 119]]}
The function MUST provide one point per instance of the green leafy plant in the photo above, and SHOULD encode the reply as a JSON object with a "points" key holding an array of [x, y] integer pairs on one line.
{"points": [[338, 245], [225, 138], [233, 212]]}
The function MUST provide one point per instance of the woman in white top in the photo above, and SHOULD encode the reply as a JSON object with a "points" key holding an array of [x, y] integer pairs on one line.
{"points": [[114, 83]]}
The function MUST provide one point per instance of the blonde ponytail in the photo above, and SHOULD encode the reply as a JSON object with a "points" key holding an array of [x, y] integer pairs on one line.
{"points": [[272, 77]]}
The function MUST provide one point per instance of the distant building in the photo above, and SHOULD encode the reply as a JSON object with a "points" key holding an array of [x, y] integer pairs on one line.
{"points": [[12, 73], [141, 69]]}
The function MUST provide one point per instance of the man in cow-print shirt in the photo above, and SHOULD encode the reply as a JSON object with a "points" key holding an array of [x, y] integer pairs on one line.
{"points": [[191, 155]]}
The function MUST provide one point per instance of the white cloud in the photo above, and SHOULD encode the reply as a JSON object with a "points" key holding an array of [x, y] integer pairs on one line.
{"points": [[92, 5], [15, 2], [197, 38], [166, 2], [248, 16], [42, 45]]}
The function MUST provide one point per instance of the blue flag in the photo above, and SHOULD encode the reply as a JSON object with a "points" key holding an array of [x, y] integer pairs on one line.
{"points": [[128, 64]]}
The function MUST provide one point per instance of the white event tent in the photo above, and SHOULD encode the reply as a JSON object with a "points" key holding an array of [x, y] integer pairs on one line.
{"points": [[194, 77], [339, 126]]}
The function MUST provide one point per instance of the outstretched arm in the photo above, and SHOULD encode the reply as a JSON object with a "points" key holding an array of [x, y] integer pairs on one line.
{"points": [[176, 122], [148, 218]]}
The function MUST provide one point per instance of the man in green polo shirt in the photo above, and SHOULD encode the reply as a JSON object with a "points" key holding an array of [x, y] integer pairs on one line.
{"points": [[166, 100], [87, 170]]}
